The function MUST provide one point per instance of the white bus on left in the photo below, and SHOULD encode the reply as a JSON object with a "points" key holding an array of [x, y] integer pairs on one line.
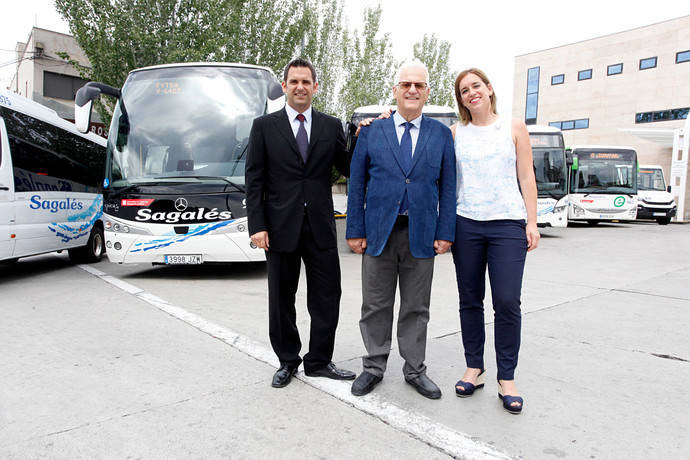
{"points": [[50, 184]]}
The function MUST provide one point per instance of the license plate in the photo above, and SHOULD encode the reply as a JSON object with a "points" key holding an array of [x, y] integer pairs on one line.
{"points": [[189, 259], [605, 216], [660, 214]]}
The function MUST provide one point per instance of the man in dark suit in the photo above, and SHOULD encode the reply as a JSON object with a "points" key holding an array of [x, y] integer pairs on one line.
{"points": [[290, 214], [400, 214]]}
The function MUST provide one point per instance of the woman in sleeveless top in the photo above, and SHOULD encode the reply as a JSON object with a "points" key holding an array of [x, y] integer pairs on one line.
{"points": [[496, 226]]}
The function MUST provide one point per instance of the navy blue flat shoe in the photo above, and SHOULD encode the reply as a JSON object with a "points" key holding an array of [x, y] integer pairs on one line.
{"points": [[468, 388], [508, 401]]}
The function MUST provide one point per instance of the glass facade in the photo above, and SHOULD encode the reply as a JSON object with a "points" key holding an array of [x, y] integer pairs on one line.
{"points": [[557, 79], [582, 123], [532, 98], [662, 115]]}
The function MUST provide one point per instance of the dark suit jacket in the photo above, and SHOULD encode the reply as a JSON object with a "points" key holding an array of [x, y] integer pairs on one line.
{"points": [[378, 182], [279, 183]]}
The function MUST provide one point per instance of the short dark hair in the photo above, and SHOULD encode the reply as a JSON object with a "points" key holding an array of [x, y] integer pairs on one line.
{"points": [[299, 62]]}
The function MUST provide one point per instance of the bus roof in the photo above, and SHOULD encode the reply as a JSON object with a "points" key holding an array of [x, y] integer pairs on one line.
{"points": [[651, 167], [203, 64], [542, 129], [430, 108], [21, 104]]}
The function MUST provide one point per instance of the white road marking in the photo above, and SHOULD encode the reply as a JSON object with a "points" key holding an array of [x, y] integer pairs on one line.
{"points": [[437, 435]]}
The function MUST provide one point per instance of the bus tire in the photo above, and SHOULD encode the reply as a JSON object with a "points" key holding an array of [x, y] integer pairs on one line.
{"points": [[663, 220], [94, 249], [9, 261], [592, 222]]}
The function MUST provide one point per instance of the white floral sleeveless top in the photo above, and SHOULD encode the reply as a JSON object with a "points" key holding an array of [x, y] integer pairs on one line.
{"points": [[487, 185]]}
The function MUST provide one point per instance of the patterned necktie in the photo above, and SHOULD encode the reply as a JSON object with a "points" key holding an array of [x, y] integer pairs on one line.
{"points": [[302, 139], [406, 159]]}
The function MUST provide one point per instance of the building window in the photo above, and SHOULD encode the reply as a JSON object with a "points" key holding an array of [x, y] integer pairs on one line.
{"points": [[683, 56], [582, 123], [532, 99], [557, 79], [614, 69], [584, 74], [61, 86], [662, 115], [648, 63]]}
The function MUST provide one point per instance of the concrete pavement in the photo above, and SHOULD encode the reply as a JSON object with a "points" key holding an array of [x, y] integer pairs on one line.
{"points": [[92, 369]]}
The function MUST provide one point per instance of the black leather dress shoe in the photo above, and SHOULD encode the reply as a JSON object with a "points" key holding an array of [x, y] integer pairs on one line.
{"points": [[332, 372], [424, 386], [283, 376], [365, 383]]}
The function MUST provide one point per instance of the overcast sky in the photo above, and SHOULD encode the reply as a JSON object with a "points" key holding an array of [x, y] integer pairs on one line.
{"points": [[488, 37]]}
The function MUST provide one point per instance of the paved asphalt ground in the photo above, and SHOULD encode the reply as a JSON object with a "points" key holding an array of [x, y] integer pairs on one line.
{"points": [[112, 361]]}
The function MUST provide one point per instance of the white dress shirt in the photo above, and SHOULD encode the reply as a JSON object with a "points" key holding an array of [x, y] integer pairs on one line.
{"points": [[294, 122], [400, 128]]}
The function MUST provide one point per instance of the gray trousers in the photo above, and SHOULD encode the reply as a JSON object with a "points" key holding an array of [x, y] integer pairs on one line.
{"points": [[380, 276]]}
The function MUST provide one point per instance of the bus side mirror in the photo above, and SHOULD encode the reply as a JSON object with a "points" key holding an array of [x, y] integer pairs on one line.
{"points": [[275, 97], [568, 157], [668, 188], [83, 102]]}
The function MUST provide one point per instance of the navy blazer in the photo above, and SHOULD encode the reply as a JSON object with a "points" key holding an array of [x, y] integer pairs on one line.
{"points": [[378, 182]]}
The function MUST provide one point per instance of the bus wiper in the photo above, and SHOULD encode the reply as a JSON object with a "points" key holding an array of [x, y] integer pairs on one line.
{"points": [[223, 178]]}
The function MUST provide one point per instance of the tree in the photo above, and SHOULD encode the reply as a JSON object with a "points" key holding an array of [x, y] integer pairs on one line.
{"points": [[120, 35], [324, 31], [370, 66], [434, 54]]}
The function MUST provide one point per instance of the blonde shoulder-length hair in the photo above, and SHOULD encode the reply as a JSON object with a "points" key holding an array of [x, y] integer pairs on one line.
{"points": [[465, 115]]}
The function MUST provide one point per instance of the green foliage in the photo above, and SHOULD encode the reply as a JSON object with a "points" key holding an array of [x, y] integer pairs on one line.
{"points": [[370, 66], [434, 54]]}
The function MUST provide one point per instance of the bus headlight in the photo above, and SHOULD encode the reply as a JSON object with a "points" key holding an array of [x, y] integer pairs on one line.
{"points": [[578, 211], [559, 208]]}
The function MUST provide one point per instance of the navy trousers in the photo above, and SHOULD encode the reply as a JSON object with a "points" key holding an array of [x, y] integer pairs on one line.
{"points": [[502, 246]]}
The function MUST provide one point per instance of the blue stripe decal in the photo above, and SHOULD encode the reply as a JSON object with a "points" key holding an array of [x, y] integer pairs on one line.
{"points": [[68, 233], [174, 238]]}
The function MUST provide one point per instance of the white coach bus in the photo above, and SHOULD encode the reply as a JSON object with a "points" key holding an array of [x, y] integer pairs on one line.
{"points": [[551, 173], [50, 184], [174, 187], [603, 184]]}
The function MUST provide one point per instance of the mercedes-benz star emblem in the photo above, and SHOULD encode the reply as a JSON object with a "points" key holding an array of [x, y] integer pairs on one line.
{"points": [[180, 204]]}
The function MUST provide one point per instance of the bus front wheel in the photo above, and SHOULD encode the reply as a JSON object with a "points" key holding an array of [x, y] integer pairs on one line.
{"points": [[663, 220], [94, 249]]}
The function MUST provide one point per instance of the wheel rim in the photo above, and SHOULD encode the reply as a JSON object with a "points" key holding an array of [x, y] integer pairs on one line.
{"points": [[97, 245]]}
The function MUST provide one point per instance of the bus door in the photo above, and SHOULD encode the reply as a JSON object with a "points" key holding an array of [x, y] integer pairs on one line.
{"points": [[6, 196]]}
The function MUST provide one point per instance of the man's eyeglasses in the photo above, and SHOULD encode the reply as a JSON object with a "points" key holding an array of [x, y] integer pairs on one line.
{"points": [[420, 85]]}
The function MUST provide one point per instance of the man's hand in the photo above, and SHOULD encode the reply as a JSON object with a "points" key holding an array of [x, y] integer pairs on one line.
{"points": [[442, 246], [367, 121], [260, 239], [358, 245]]}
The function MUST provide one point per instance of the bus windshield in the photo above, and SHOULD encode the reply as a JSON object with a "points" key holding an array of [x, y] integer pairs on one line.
{"points": [[550, 171], [605, 172], [185, 123], [650, 179]]}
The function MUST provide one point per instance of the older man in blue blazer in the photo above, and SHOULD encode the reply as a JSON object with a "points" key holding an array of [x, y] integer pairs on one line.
{"points": [[400, 214]]}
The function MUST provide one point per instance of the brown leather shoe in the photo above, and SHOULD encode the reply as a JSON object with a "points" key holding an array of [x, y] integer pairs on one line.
{"points": [[283, 376]]}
